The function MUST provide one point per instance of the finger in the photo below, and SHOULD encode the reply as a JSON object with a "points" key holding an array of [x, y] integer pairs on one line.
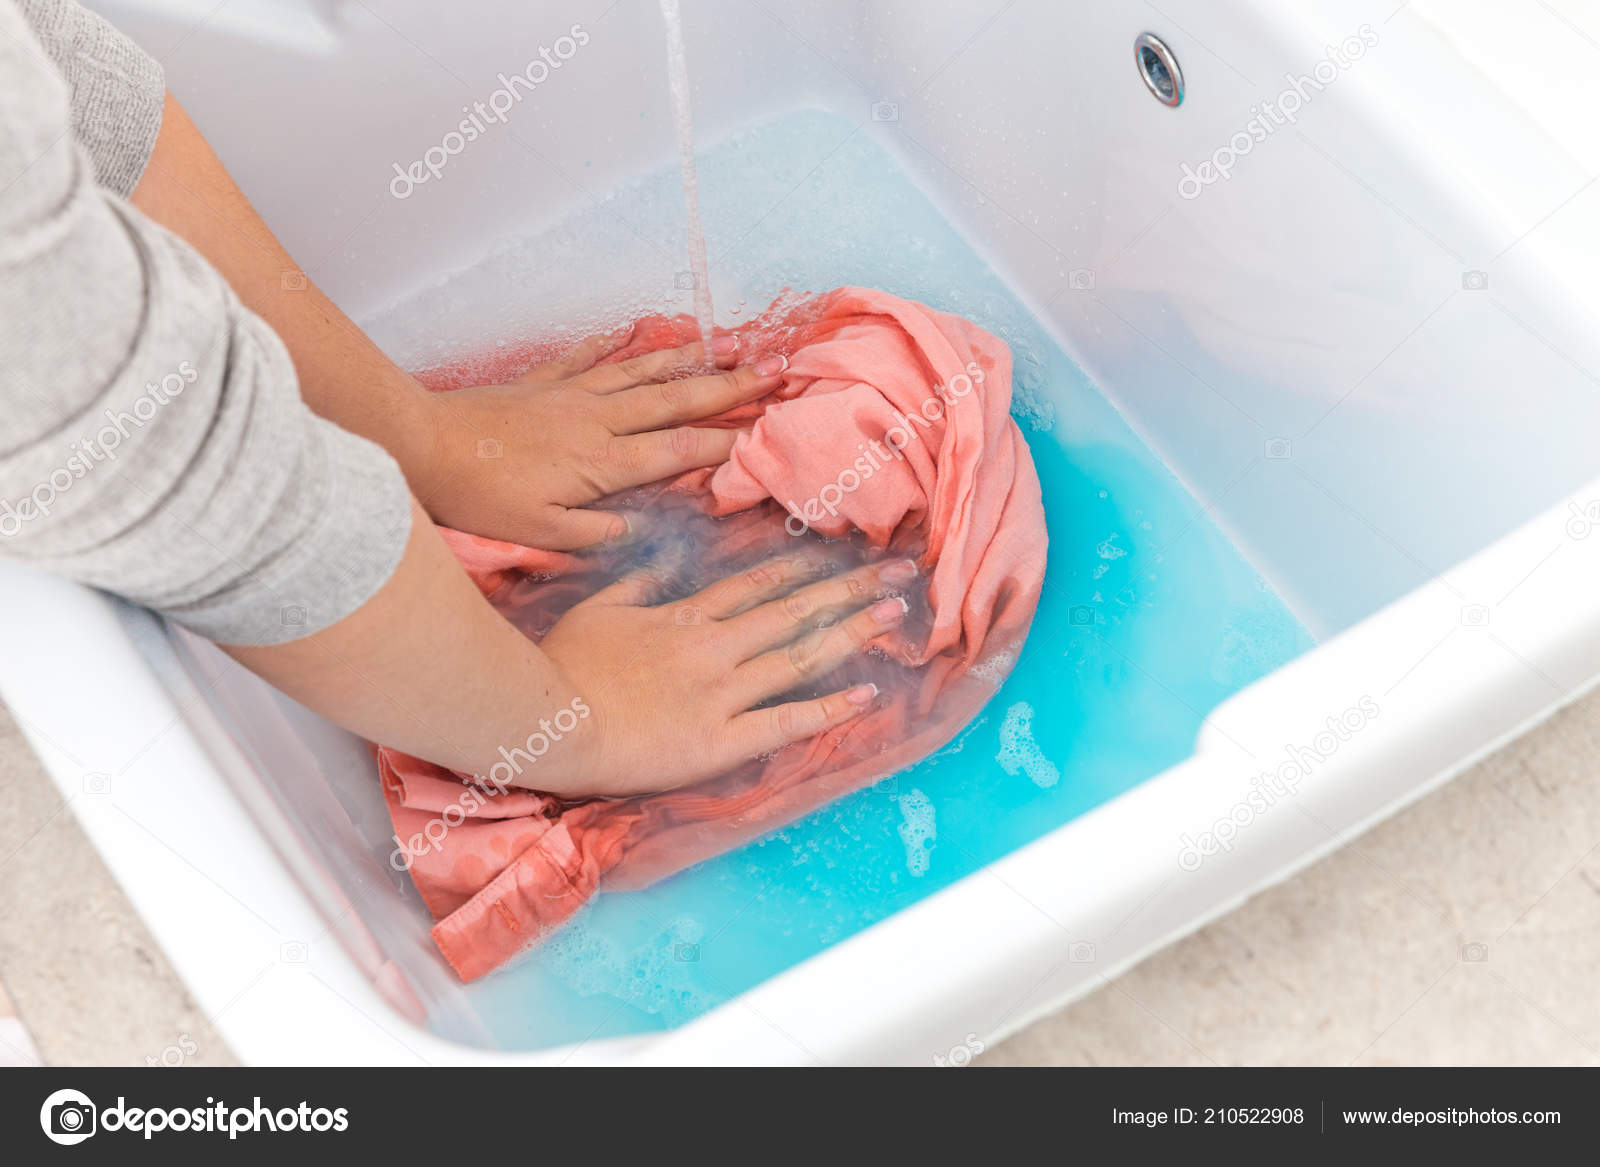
{"points": [[755, 585], [761, 731], [787, 617], [634, 459], [811, 656], [658, 366], [582, 357], [572, 529], [639, 588], [648, 407]]}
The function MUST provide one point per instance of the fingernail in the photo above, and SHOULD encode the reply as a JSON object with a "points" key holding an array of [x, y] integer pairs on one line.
{"points": [[891, 610], [624, 332], [899, 571], [725, 346], [771, 366], [862, 695]]}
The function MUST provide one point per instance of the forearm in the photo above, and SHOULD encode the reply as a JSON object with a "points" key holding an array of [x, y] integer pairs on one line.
{"points": [[155, 443], [230, 507], [343, 376], [425, 666]]}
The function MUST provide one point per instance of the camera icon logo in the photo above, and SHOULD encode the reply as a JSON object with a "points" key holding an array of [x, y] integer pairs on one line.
{"points": [[97, 782], [1475, 281], [1081, 952], [294, 952], [1081, 279], [491, 448], [1475, 952], [293, 616], [1081, 615], [1277, 449], [885, 111], [1474, 616], [68, 1117], [1583, 519], [293, 281], [685, 281], [686, 615], [686, 953]]}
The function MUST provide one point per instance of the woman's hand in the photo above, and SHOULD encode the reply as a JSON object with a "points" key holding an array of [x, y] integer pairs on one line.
{"points": [[671, 688], [523, 462], [428, 667]]}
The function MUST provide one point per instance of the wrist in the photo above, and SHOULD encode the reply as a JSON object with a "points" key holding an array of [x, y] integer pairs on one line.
{"points": [[551, 740], [411, 429]]}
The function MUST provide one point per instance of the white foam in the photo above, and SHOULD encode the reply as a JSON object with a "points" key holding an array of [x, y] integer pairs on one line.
{"points": [[995, 667], [657, 976], [1019, 753], [1108, 548], [918, 831]]}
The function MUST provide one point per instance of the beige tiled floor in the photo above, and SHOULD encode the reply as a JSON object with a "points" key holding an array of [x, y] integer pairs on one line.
{"points": [[1368, 957], [81, 970], [16, 1043]]}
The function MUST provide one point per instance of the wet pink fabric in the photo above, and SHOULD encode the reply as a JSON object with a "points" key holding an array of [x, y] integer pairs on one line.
{"points": [[869, 374]]}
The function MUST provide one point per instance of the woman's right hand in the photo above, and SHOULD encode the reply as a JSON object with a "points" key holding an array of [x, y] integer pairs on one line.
{"points": [[671, 688], [570, 432]]}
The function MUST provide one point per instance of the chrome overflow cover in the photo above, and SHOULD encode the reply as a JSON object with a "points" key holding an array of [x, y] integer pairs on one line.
{"points": [[1158, 65]]}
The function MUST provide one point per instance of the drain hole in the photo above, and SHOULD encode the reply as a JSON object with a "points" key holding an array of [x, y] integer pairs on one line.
{"points": [[1159, 68]]}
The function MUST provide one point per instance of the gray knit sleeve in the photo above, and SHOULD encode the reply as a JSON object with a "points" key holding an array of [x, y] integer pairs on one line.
{"points": [[116, 87], [155, 443]]}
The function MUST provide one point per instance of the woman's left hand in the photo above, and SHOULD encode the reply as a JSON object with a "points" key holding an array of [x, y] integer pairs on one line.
{"points": [[524, 462]]}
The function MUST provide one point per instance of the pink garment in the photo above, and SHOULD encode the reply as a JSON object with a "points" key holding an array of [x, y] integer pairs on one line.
{"points": [[962, 498]]}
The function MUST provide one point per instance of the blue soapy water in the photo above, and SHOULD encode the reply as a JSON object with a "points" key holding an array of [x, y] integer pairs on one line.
{"points": [[1150, 617]]}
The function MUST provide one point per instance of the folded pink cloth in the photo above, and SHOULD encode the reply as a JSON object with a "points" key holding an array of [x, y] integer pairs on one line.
{"points": [[892, 427]]}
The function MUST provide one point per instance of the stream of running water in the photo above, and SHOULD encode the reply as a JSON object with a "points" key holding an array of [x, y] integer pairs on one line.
{"points": [[678, 82]]}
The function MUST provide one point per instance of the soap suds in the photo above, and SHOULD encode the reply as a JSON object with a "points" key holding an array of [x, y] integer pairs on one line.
{"points": [[918, 831], [1019, 753]]}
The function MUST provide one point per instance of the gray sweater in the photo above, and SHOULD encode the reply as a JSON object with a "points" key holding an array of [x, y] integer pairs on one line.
{"points": [[153, 440]]}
